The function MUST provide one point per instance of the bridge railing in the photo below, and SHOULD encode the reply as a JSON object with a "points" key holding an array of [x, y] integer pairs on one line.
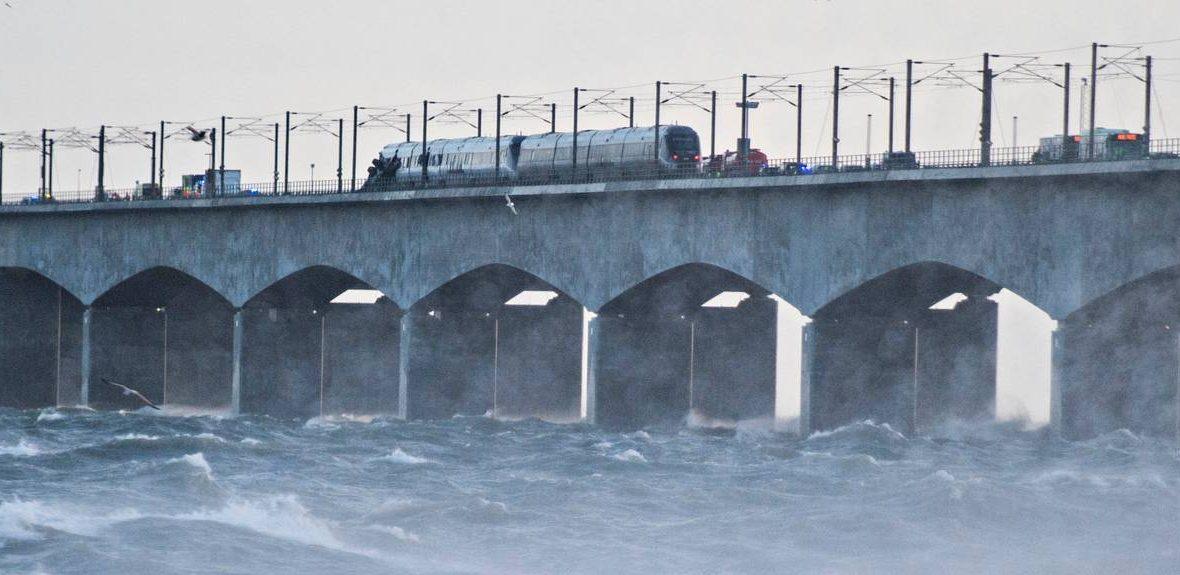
{"points": [[962, 158]]}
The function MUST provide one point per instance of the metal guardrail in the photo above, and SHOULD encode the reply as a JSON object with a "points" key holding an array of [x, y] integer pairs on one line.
{"points": [[940, 159]]}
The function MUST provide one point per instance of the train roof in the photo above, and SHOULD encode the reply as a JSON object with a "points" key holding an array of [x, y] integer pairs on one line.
{"points": [[624, 135], [485, 144], [449, 146]]}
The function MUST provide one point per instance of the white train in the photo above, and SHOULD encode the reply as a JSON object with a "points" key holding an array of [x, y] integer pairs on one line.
{"points": [[601, 153]]}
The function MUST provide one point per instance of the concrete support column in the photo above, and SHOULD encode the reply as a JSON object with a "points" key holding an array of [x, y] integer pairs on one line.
{"points": [[1055, 381], [591, 331], [236, 385], [806, 377], [84, 398], [788, 331], [404, 357]]}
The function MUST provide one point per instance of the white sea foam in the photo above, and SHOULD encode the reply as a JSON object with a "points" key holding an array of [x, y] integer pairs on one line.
{"points": [[250, 441], [50, 415], [882, 430], [282, 517], [27, 520], [207, 437], [696, 419], [137, 437], [631, 456], [641, 435], [399, 456], [397, 532], [321, 423], [342, 418], [22, 449], [197, 461]]}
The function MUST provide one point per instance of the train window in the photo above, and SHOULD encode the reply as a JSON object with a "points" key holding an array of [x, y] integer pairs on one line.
{"points": [[683, 144]]}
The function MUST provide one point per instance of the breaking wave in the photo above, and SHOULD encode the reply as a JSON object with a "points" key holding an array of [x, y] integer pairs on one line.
{"points": [[113, 493]]}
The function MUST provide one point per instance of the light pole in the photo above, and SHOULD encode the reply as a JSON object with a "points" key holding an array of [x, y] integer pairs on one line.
{"points": [[868, 139]]}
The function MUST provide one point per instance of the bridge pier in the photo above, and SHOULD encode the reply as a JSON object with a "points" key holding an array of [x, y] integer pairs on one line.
{"points": [[236, 382], [84, 392], [404, 357], [912, 367], [39, 339], [1117, 362], [592, 328]]}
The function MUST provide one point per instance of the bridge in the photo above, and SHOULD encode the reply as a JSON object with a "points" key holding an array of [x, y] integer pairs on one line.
{"points": [[228, 302]]}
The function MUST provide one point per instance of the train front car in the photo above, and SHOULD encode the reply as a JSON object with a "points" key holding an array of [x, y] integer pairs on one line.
{"points": [[680, 148], [455, 161], [391, 165]]}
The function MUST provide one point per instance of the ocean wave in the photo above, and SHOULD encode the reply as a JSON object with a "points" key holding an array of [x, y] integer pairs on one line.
{"points": [[630, 456], [280, 516], [50, 415], [399, 456], [205, 436], [196, 461], [866, 429], [137, 437], [22, 448], [395, 531], [640, 435], [31, 520]]}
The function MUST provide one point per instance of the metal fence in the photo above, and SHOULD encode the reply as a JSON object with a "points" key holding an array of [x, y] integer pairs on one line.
{"points": [[940, 159]]}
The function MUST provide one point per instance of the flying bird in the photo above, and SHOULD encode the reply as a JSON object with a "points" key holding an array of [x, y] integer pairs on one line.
{"points": [[197, 135], [511, 206], [131, 392]]}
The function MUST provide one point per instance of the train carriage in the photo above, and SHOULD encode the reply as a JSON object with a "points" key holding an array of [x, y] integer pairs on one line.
{"points": [[634, 152], [459, 158]]}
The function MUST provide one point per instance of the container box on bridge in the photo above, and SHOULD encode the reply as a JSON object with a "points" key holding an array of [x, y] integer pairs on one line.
{"points": [[1109, 144], [210, 183]]}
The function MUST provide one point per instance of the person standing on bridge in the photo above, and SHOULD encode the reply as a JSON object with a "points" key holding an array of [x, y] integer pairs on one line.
{"points": [[395, 164]]}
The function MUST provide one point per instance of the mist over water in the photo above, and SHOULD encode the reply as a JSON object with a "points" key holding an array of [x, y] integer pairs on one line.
{"points": [[88, 492]]}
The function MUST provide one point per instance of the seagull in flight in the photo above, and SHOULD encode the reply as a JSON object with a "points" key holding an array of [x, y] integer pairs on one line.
{"points": [[511, 206], [131, 392], [197, 135]]}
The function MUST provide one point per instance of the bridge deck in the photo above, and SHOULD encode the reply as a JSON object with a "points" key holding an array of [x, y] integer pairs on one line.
{"points": [[680, 184]]}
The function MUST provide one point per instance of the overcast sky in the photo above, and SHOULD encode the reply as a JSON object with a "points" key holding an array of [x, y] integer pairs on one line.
{"points": [[136, 62]]}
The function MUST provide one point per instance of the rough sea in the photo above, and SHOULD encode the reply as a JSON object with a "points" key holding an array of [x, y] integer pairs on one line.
{"points": [[87, 492]]}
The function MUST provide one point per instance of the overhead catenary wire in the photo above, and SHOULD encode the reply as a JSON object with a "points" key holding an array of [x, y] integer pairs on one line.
{"points": [[724, 86]]}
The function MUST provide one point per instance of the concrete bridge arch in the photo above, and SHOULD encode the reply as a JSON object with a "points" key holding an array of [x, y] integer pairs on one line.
{"points": [[163, 332], [494, 340]]}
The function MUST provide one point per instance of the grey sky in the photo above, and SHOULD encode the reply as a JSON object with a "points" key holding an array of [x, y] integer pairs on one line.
{"points": [[135, 62]]}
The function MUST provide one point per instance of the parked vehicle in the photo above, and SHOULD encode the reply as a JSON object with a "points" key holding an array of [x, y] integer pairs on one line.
{"points": [[1109, 144]]}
